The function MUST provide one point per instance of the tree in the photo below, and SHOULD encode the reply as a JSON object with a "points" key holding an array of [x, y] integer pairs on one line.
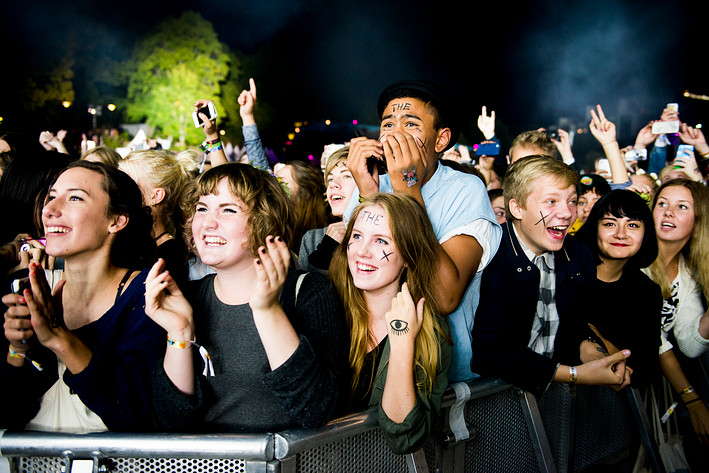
{"points": [[180, 62]]}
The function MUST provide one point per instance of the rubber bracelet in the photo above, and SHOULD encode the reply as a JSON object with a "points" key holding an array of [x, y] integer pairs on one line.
{"points": [[693, 400]]}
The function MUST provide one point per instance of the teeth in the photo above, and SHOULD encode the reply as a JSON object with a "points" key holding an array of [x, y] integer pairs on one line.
{"points": [[336, 197], [365, 267], [668, 225], [558, 229], [214, 240], [56, 230]]}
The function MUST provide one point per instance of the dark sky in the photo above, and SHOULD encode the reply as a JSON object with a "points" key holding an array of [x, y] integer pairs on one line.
{"points": [[532, 62]]}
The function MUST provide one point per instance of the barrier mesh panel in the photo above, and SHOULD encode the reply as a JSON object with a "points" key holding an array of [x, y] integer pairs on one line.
{"points": [[136, 465], [555, 408], [503, 443], [365, 453], [606, 432]]}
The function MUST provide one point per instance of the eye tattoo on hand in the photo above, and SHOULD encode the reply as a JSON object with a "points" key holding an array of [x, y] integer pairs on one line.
{"points": [[386, 255], [399, 327]]}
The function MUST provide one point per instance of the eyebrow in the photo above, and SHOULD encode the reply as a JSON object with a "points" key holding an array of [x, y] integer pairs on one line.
{"points": [[406, 115], [71, 189]]}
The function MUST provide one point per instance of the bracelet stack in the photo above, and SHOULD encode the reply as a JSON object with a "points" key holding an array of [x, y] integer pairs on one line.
{"points": [[208, 146]]}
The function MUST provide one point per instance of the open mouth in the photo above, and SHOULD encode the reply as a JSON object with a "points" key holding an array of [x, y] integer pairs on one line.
{"points": [[365, 268], [667, 225], [336, 197], [557, 232], [53, 230], [214, 241]]}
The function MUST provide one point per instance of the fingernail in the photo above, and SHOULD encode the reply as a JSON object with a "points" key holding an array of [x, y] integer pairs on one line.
{"points": [[270, 239], [263, 250], [279, 239]]}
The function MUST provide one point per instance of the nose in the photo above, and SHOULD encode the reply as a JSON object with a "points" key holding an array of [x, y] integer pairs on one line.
{"points": [[51, 208], [209, 220], [620, 232], [363, 250], [567, 211]]}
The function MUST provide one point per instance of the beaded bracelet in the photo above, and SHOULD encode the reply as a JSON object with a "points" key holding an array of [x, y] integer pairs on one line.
{"points": [[13, 354]]}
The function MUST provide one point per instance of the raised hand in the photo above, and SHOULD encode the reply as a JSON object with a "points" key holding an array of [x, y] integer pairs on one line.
{"points": [[271, 268]]}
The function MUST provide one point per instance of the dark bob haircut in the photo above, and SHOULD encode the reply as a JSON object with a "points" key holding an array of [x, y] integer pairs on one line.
{"points": [[133, 247], [621, 203]]}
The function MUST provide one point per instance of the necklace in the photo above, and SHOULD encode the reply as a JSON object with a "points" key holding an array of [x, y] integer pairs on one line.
{"points": [[161, 235]]}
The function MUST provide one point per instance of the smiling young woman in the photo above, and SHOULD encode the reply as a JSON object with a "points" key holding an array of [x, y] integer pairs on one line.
{"points": [[91, 335], [400, 351], [627, 304]]}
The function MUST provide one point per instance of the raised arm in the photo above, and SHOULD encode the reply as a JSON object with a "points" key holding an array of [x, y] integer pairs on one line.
{"points": [[252, 139], [604, 131], [211, 133]]}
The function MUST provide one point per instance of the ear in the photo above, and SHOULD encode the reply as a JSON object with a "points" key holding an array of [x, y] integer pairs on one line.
{"points": [[118, 224], [443, 139], [156, 196], [515, 209]]}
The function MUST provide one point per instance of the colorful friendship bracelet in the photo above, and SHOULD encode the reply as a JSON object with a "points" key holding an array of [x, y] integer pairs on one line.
{"points": [[687, 390], [183, 344], [13, 354]]}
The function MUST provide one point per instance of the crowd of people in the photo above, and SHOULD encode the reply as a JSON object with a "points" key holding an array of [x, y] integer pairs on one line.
{"points": [[181, 291]]}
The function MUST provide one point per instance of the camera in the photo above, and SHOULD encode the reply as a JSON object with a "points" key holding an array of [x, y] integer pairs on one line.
{"points": [[19, 285], [210, 110], [636, 155]]}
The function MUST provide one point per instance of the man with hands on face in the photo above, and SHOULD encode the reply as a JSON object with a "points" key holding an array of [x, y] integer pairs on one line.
{"points": [[418, 124]]}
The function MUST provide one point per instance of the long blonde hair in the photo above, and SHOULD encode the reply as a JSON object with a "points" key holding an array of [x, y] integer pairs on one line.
{"points": [[416, 242], [695, 250]]}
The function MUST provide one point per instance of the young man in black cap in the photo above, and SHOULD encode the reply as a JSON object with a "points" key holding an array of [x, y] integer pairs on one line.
{"points": [[418, 123]]}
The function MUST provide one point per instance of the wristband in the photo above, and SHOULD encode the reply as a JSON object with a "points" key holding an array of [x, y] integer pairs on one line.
{"points": [[687, 390], [183, 344], [693, 400], [13, 354], [572, 374]]}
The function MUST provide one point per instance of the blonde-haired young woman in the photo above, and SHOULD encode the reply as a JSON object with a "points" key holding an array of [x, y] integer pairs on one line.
{"points": [[400, 351]]}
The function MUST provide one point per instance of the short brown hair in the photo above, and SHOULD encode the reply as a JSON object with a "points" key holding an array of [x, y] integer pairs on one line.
{"points": [[270, 211]]}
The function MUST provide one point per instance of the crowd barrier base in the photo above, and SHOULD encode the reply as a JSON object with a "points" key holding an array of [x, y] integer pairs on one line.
{"points": [[486, 425]]}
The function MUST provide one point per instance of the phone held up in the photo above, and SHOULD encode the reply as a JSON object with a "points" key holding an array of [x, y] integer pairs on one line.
{"points": [[209, 110], [667, 128]]}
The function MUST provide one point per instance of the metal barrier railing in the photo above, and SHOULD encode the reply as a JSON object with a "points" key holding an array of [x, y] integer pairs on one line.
{"points": [[485, 425]]}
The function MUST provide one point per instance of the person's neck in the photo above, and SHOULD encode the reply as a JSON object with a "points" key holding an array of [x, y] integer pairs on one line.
{"points": [[87, 278], [430, 172], [378, 303], [669, 253], [235, 285], [610, 270]]}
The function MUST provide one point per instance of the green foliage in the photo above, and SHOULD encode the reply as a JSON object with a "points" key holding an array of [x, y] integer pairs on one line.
{"points": [[55, 88], [181, 62]]}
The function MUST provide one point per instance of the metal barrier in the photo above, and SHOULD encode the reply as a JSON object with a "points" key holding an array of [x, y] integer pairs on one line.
{"points": [[485, 425]]}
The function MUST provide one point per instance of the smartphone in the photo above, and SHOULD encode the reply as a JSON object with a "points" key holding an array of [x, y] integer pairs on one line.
{"points": [[604, 165], [488, 148], [684, 152], [673, 106], [210, 110], [19, 285], [665, 128], [636, 155]]}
